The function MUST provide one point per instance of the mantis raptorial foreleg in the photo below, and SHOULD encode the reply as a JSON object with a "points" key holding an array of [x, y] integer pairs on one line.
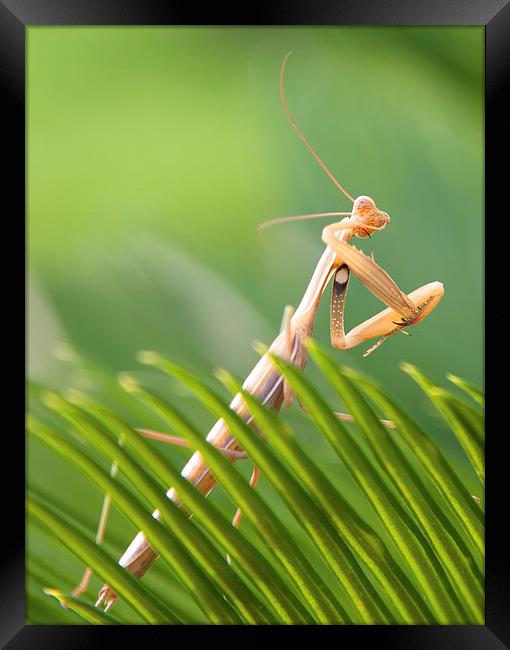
{"points": [[371, 274], [403, 310], [337, 306], [384, 323]]}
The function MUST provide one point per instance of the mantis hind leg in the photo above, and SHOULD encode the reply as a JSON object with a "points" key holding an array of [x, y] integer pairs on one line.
{"points": [[345, 417], [236, 521], [255, 475], [101, 529], [100, 533]]}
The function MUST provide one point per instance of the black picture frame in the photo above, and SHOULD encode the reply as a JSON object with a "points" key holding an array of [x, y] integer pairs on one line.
{"points": [[15, 17]]}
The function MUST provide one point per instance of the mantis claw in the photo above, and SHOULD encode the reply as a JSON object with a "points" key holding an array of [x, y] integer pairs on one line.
{"points": [[107, 597]]}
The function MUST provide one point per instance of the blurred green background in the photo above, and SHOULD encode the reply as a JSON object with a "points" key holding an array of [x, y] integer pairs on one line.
{"points": [[154, 153]]}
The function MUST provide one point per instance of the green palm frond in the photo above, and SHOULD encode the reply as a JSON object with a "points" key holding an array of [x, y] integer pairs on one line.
{"points": [[306, 552]]}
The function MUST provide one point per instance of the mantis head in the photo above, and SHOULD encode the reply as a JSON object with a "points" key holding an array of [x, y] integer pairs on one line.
{"points": [[365, 212]]}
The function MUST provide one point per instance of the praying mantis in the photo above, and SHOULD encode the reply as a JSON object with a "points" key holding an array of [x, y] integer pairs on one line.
{"points": [[337, 262]]}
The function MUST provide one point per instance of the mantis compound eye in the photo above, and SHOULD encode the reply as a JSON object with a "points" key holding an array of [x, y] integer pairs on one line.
{"points": [[363, 205], [385, 217]]}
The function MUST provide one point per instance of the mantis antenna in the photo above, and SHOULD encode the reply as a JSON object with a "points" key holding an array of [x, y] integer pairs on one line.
{"points": [[301, 134], [294, 125], [301, 217]]}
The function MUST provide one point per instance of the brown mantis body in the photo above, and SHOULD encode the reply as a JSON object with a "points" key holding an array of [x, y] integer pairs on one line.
{"points": [[338, 260]]}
